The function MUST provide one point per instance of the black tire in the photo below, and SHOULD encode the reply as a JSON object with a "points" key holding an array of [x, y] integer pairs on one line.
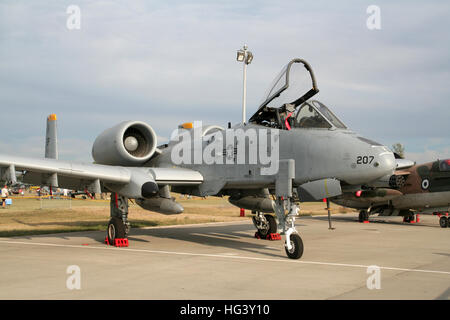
{"points": [[263, 233], [297, 247], [443, 222], [116, 230], [363, 216]]}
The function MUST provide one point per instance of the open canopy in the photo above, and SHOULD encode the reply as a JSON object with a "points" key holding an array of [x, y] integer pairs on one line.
{"points": [[294, 85]]}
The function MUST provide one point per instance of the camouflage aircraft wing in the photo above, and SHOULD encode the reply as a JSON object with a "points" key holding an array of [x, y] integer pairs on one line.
{"points": [[402, 173], [93, 177]]}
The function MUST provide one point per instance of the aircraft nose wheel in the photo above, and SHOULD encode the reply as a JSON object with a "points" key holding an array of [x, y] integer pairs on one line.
{"points": [[443, 222], [296, 250]]}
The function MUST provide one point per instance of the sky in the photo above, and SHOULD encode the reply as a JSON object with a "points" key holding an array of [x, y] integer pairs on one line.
{"points": [[170, 62]]}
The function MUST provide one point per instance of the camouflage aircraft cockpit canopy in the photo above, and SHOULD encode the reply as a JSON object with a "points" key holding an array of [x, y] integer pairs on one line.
{"points": [[444, 165]]}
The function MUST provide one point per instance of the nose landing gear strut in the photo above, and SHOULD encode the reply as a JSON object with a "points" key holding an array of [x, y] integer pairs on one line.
{"points": [[286, 210]]}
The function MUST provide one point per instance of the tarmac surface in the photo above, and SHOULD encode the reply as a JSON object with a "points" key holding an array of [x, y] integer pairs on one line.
{"points": [[225, 261]]}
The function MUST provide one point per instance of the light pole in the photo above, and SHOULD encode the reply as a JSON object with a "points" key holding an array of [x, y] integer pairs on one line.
{"points": [[245, 56]]}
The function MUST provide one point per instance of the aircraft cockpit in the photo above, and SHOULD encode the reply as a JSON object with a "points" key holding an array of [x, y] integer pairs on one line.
{"points": [[314, 114], [444, 165], [284, 107]]}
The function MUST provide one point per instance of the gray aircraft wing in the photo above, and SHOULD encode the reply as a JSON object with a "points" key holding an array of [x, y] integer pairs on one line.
{"points": [[129, 181]]}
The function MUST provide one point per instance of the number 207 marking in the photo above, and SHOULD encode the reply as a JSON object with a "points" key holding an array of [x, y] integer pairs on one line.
{"points": [[364, 159]]}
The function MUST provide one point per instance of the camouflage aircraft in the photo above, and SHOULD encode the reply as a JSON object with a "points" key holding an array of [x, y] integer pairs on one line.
{"points": [[423, 188], [292, 150]]}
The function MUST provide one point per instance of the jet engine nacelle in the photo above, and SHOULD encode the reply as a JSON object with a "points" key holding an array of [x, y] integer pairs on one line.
{"points": [[130, 143]]}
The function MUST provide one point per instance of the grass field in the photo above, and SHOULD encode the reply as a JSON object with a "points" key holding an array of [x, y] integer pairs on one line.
{"points": [[33, 216]]}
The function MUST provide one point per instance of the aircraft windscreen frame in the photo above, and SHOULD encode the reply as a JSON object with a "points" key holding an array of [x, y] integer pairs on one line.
{"points": [[328, 114], [312, 119]]}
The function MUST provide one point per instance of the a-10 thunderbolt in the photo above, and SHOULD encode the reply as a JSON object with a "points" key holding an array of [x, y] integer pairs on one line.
{"points": [[291, 150], [423, 188]]}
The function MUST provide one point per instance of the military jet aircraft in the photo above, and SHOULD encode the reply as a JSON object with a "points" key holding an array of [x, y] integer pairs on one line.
{"points": [[291, 150], [423, 188]]}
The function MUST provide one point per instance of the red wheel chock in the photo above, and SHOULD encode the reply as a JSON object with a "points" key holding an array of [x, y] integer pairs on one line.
{"points": [[270, 236], [273, 236], [118, 242], [121, 242]]}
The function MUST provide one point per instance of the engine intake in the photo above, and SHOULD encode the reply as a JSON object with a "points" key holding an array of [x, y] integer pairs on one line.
{"points": [[130, 143]]}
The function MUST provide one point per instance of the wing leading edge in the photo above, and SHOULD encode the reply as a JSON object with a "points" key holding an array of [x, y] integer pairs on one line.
{"points": [[80, 176]]}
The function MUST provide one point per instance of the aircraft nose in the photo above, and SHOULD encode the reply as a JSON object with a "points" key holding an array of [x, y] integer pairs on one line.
{"points": [[386, 163]]}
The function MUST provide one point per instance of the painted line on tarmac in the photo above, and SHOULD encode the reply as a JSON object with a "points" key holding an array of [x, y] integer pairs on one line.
{"points": [[227, 256], [198, 224]]}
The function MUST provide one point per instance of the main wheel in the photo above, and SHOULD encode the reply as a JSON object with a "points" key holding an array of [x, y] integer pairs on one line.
{"points": [[297, 247], [269, 227], [443, 222], [363, 216], [116, 230]]}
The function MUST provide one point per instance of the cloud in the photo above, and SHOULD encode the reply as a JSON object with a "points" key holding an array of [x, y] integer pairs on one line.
{"points": [[171, 62], [428, 155]]}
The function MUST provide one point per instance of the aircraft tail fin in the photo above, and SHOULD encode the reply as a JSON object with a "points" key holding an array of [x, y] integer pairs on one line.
{"points": [[51, 141]]}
